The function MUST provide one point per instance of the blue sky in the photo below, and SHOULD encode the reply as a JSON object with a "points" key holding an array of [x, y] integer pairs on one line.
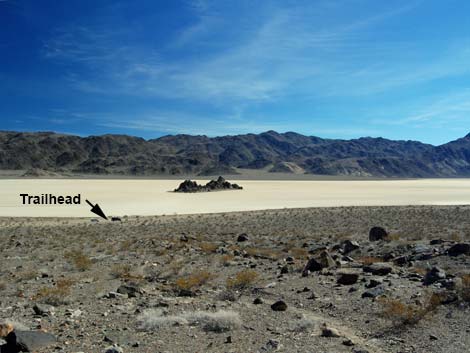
{"points": [[340, 69]]}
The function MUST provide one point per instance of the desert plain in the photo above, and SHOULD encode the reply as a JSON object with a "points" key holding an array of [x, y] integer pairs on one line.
{"points": [[154, 197], [263, 269]]}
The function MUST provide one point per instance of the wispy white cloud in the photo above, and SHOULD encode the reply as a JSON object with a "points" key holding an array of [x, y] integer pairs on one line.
{"points": [[282, 51], [435, 111]]}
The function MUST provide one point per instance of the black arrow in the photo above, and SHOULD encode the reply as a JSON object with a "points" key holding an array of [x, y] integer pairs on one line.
{"points": [[96, 210]]}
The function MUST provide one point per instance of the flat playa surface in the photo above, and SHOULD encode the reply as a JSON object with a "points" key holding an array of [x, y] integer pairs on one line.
{"points": [[153, 197]]}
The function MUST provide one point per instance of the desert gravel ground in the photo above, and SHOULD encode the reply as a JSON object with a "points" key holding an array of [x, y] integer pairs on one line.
{"points": [[208, 282]]}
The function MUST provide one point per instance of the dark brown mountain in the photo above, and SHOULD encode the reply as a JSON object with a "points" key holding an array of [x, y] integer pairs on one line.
{"points": [[201, 155]]}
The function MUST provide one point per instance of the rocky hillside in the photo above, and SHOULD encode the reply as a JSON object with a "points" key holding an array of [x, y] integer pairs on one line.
{"points": [[200, 155]]}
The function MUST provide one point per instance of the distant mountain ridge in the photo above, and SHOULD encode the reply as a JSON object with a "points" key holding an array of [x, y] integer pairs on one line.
{"points": [[201, 155]]}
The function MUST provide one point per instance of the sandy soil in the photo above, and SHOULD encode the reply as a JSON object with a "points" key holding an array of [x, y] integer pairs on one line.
{"points": [[188, 283], [153, 197]]}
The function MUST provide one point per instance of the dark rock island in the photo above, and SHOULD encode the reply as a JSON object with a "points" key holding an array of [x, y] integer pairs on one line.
{"points": [[213, 185]]}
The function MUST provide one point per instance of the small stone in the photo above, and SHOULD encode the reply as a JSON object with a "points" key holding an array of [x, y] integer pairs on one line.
{"points": [[130, 290], [279, 306], [242, 237], [327, 331], [374, 292], [284, 270], [228, 339], [43, 310], [258, 301], [374, 283], [348, 342], [113, 349]]}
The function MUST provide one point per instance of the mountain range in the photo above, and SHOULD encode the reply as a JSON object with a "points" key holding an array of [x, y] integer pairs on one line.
{"points": [[201, 155]]}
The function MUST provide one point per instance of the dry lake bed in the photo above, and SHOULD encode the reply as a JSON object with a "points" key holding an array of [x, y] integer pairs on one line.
{"points": [[154, 197]]}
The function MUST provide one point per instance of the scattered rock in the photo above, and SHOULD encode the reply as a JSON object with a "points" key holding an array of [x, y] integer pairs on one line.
{"points": [[318, 262], [378, 269], [459, 249], [27, 341], [113, 349], [327, 331], [279, 306], [349, 245], [433, 275], [130, 290], [44, 310], [374, 292], [374, 282], [377, 233], [347, 278], [242, 237]]}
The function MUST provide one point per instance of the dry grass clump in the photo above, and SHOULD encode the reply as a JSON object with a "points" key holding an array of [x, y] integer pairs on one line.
{"points": [[419, 270], [369, 260], [125, 272], [55, 295], [3, 286], [299, 253], [465, 290], [220, 321], [242, 279], [193, 281], [81, 261], [225, 259], [409, 314], [208, 248], [26, 275], [266, 253]]}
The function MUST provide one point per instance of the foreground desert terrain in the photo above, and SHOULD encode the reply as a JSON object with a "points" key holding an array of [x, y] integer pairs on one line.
{"points": [[153, 197], [233, 282]]}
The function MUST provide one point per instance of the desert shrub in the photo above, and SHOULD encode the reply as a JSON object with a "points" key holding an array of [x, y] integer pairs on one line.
{"points": [[3, 286], [408, 314], [394, 237], [55, 295], [465, 290], [419, 270], [193, 281], [125, 272], [220, 321], [26, 275], [81, 261], [242, 279], [267, 253], [225, 259], [208, 248], [299, 253]]}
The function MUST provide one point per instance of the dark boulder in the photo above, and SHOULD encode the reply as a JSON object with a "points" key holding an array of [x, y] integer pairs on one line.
{"points": [[242, 237], [280, 305], [459, 249], [318, 262], [378, 269], [27, 341], [377, 233], [347, 278], [433, 275]]}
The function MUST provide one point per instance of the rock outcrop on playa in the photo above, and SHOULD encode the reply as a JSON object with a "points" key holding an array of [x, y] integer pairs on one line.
{"points": [[213, 185], [201, 155]]}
